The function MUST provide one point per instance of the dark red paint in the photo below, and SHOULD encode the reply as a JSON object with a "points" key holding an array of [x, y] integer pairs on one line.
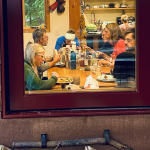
{"points": [[136, 101]]}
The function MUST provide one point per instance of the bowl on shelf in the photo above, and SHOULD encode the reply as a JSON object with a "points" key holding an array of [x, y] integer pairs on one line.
{"points": [[111, 5], [117, 5], [106, 5], [123, 5]]}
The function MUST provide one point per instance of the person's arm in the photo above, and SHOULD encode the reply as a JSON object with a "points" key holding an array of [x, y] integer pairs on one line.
{"points": [[106, 48], [33, 82], [101, 54], [56, 59], [48, 65], [44, 67], [91, 51], [109, 62], [59, 42], [48, 59], [77, 42]]}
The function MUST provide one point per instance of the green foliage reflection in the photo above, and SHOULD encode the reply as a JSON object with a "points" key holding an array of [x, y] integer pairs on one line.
{"points": [[34, 12]]}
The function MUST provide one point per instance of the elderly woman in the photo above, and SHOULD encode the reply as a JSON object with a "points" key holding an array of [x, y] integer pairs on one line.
{"points": [[34, 57], [125, 26]]}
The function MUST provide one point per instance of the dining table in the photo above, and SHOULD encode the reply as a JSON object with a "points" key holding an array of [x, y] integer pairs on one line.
{"points": [[82, 74]]}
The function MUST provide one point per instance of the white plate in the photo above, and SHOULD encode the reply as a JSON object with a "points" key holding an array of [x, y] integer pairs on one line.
{"points": [[59, 64], [109, 78]]}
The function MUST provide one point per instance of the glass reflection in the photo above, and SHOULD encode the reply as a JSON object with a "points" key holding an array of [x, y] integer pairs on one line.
{"points": [[102, 57]]}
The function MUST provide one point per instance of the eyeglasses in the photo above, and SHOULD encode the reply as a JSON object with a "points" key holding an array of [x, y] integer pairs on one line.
{"points": [[43, 56], [128, 40], [45, 37]]}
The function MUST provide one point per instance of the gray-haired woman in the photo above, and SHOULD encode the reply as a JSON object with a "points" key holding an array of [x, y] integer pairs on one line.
{"points": [[34, 57]]}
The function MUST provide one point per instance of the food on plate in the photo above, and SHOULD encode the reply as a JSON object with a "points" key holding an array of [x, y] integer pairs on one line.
{"points": [[106, 78], [65, 80]]}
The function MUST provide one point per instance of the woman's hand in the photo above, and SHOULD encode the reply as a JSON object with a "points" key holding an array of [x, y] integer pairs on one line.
{"points": [[55, 74], [48, 59], [103, 62], [56, 58], [113, 57], [88, 49]]}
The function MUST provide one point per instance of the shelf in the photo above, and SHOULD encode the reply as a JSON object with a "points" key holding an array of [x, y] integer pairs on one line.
{"points": [[107, 9]]}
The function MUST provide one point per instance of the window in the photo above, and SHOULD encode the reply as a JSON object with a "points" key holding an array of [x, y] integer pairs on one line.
{"points": [[35, 13], [15, 102]]}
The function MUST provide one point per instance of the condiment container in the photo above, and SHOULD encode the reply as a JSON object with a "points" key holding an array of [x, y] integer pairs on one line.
{"points": [[82, 60], [73, 60], [67, 64]]}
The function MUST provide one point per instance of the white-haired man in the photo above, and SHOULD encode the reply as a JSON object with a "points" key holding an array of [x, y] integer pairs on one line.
{"points": [[40, 36]]}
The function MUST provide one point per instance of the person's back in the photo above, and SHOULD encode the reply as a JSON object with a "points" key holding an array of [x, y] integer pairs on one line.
{"points": [[124, 69], [125, 26]]}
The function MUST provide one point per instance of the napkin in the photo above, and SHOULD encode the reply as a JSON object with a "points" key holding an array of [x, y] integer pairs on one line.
{"points": [[91, 83], [73, 87]]}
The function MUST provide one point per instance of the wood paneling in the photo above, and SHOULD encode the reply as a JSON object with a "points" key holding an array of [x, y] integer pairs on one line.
{"points": [[74, 16]]}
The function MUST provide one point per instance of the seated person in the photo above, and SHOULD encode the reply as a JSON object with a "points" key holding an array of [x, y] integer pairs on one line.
{"points": [[103, 52], [40, 36], [124, 67], [129, 46], [125, 26], [124, 70], [115, 40], [66, 40], [107, 48], [34, 57]]}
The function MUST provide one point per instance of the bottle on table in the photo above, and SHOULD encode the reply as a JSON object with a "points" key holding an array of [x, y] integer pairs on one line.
{"points": [[73, 60], [93, 63], [73, 46]]}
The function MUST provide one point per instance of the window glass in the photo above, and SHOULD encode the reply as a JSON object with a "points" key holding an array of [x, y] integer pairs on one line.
{"points": [[34, 12], [94, 52]]}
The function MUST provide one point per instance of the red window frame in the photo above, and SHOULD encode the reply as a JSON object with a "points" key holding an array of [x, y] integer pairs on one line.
{"points": [[17, 104]]}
